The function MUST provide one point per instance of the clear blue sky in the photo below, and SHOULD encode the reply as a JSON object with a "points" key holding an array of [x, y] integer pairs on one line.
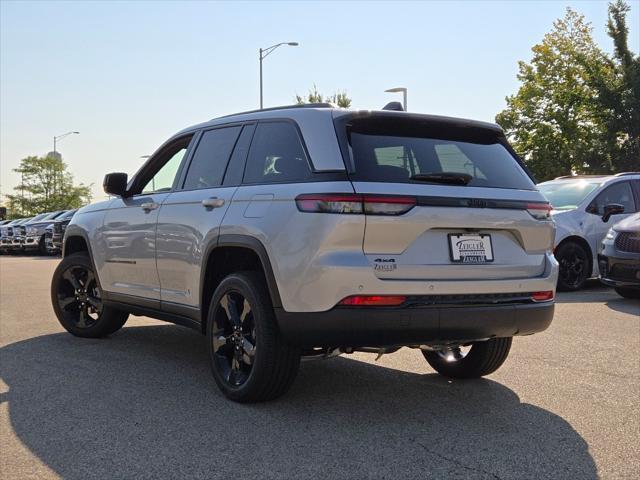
{"points": [[129, 74]]}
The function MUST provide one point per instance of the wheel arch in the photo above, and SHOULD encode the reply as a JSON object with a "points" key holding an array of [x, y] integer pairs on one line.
{"points": [[76, 240], [584, 244], [233, 252]]}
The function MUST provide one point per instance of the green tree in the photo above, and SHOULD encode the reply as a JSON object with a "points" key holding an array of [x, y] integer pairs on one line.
{"points": [[553, 120], [45, 186], [341, 99], [618, 92]]}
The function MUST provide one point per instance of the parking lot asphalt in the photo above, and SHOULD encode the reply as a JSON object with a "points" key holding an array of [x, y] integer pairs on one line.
{"points": [[143, 404]]}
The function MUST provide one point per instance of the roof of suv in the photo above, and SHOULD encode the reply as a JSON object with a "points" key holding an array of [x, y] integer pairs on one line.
{"points": [[300, 112], [316, 121]]}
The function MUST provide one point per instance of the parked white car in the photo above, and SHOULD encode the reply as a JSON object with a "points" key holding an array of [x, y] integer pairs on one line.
{"points": [[584, 208]]}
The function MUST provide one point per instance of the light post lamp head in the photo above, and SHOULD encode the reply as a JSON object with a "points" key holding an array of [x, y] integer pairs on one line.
{"points": [[293, 44], [402, 90]]}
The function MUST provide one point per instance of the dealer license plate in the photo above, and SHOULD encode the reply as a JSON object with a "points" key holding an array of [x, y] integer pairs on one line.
{"points": [[470, 248]]}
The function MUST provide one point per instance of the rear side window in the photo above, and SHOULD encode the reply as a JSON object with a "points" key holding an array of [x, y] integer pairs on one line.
{"points": [[210, 158], [393, 151], [276, 155]]}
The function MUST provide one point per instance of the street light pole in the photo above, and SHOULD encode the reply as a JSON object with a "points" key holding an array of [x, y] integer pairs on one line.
{"points": [[55, 155], [404, 95], [261, 58], [263, 54], [60, 137]]}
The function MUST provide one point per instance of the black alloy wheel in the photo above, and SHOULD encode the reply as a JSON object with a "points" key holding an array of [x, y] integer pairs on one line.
{"points": [[574, 265], [78, 301], [79, 297], [250, 359], [234, 338]]}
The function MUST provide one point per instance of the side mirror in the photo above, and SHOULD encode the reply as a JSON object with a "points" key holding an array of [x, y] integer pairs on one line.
{"points": [[115, 184], [612, 209]]}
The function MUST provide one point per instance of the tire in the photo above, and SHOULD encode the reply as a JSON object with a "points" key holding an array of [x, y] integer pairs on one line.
{"points": [[42, 246], [76, 297], [482, 359], [628, 292], [574, 266], [250, 360]]}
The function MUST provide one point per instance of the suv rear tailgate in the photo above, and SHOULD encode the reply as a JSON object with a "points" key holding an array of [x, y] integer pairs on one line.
{"points": [[486, 198], [416, 245]]}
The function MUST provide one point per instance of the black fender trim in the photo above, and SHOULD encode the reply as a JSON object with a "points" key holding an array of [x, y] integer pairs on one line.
{"points": [[252, 243]]}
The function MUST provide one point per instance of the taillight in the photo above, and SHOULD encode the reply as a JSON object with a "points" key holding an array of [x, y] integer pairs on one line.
{"points": [[354, 203], [373, 300], [539, 211], [387, 204], [329, 203], [542, 296]]}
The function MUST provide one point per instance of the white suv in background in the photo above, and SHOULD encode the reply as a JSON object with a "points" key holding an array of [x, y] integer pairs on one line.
{"points": [[584, 208], [313, 231]]}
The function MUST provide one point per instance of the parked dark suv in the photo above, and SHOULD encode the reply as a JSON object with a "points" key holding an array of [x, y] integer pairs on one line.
{"points": [[619, 257]]}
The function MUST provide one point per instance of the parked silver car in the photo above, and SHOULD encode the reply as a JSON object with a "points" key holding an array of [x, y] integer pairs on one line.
{"points": [[619, 257], [584, 208], [314, 231]]}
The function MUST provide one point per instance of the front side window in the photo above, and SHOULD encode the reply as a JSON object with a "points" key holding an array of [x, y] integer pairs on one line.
{"points": [[161, 174], [210, 158], [619, 193], [276, 155], [163, 180]]}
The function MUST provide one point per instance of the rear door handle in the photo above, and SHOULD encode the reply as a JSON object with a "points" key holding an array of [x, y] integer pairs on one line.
{"points": [[213, 202], [147, 207]]}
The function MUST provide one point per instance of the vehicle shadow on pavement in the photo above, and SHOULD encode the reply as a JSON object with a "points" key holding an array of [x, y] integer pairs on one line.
{"points": [[625, 305], [142, 404], [592, 292]]}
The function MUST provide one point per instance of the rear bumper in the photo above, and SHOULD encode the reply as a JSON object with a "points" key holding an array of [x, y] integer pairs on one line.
{"points": [[379, 327]]}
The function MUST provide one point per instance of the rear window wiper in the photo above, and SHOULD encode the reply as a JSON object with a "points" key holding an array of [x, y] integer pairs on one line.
{"points": [[448, 178]]}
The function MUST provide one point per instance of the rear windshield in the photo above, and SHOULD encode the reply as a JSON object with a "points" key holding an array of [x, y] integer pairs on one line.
{"points": [[393, 151], [566, 195]]}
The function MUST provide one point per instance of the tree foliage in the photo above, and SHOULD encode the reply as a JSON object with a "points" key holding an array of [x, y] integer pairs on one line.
{"points": [[575, 108], [341, 99], [618, 93], [45, 186]]}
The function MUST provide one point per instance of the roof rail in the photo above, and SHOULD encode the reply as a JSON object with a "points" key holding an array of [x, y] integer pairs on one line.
{"points": [[622, 174], [284, 107]]}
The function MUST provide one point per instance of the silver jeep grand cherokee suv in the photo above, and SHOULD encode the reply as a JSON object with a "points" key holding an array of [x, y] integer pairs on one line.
{"points": [[312, 231]]}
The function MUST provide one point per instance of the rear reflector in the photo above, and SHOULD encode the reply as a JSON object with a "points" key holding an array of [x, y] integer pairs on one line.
{"points": [[539, 211], [373, 300], [354, 203], [542, 296]]}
